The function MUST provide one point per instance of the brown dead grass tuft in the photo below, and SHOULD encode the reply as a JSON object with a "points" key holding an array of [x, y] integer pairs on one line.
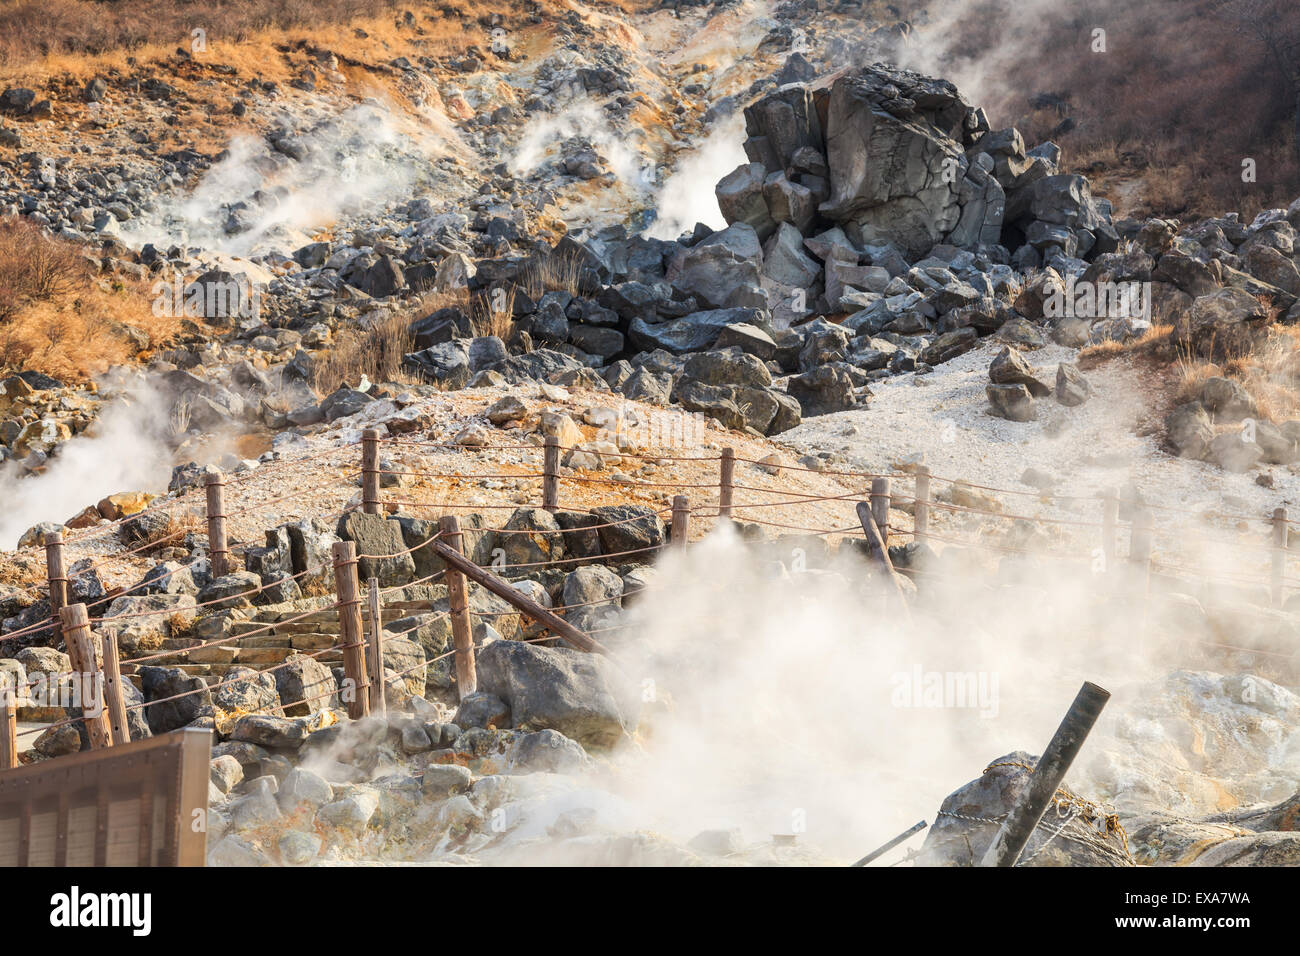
{"points": [[59, 317], [374, 351]]}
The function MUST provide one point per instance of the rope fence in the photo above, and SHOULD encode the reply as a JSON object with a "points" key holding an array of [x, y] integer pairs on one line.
{"points": [[362, 654]]}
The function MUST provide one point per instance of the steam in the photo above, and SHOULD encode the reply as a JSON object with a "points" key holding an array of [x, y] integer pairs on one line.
{"points": [[582, 117], [126, 451], [351, 162], [687, 196]]}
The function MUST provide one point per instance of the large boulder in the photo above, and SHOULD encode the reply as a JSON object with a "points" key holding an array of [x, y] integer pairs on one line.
{"points": [[1222, 324], [381, 550], [578, 694]]}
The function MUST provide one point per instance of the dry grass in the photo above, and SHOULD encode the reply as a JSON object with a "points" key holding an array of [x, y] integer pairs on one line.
{"points": [[494, 314], [58, 317], [555, 273], [1178, 100], [35, 268], [374, 352], [1151, 341]]}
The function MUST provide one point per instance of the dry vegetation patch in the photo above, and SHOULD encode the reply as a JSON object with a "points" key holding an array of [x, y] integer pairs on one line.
{"points": [[58, 316]]}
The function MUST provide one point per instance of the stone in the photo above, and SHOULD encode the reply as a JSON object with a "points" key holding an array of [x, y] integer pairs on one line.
{"points": [[298, 848], [482, 710], [379, 539], [1072, 389], [161, 683], [1010, 368], [970, 817], [305, 685], [302, 788], [824, 390], [281, 733], [578, 694], [537, 538], [1189, 431], [631, 531], [352, 813], [444, 780], [1012, 402]]}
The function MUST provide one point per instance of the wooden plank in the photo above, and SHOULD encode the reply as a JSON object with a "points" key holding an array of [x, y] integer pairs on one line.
{"points": [[81, 649], [102, 795], [61, 831], [25, 833], [145, 855], [195, 772], [375, 647]]}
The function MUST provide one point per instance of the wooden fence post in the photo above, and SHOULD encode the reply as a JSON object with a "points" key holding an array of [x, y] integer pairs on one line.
{"points": [[370, 502], [56, 572], [880, 508], [376, 648], [218, 549], [681, 521], [114, 699], [1109, 518], [348, 588], [921, 506], [726, 481], [81, 649], [462, 631], [1279, 554], [8, 732], [551, 474]]}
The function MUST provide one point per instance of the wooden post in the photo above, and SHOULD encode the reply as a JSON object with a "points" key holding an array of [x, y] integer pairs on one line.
{"points": [[1279, 554], [880, 508], [218, 549], [376, 648], [921, 506], [348, 588], [726, 481], [1109, 518], [879, 552], [8, 732], [114, 699], [370, 502], [681, 520], [81, 649], [515, 598], [551, 475], [462, 631], [1047, 776], [56, 572]]}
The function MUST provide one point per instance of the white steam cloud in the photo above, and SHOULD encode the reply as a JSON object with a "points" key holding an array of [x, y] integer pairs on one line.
{"points": [[582, 117], [125, 451], [349, 164], [687, 196]]}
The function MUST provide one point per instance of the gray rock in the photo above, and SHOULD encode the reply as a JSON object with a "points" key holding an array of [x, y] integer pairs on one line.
{"points": [[580, 695], [1010, 368], [1013, 402], [1072, 389], [300, 681], [381, 540]]}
